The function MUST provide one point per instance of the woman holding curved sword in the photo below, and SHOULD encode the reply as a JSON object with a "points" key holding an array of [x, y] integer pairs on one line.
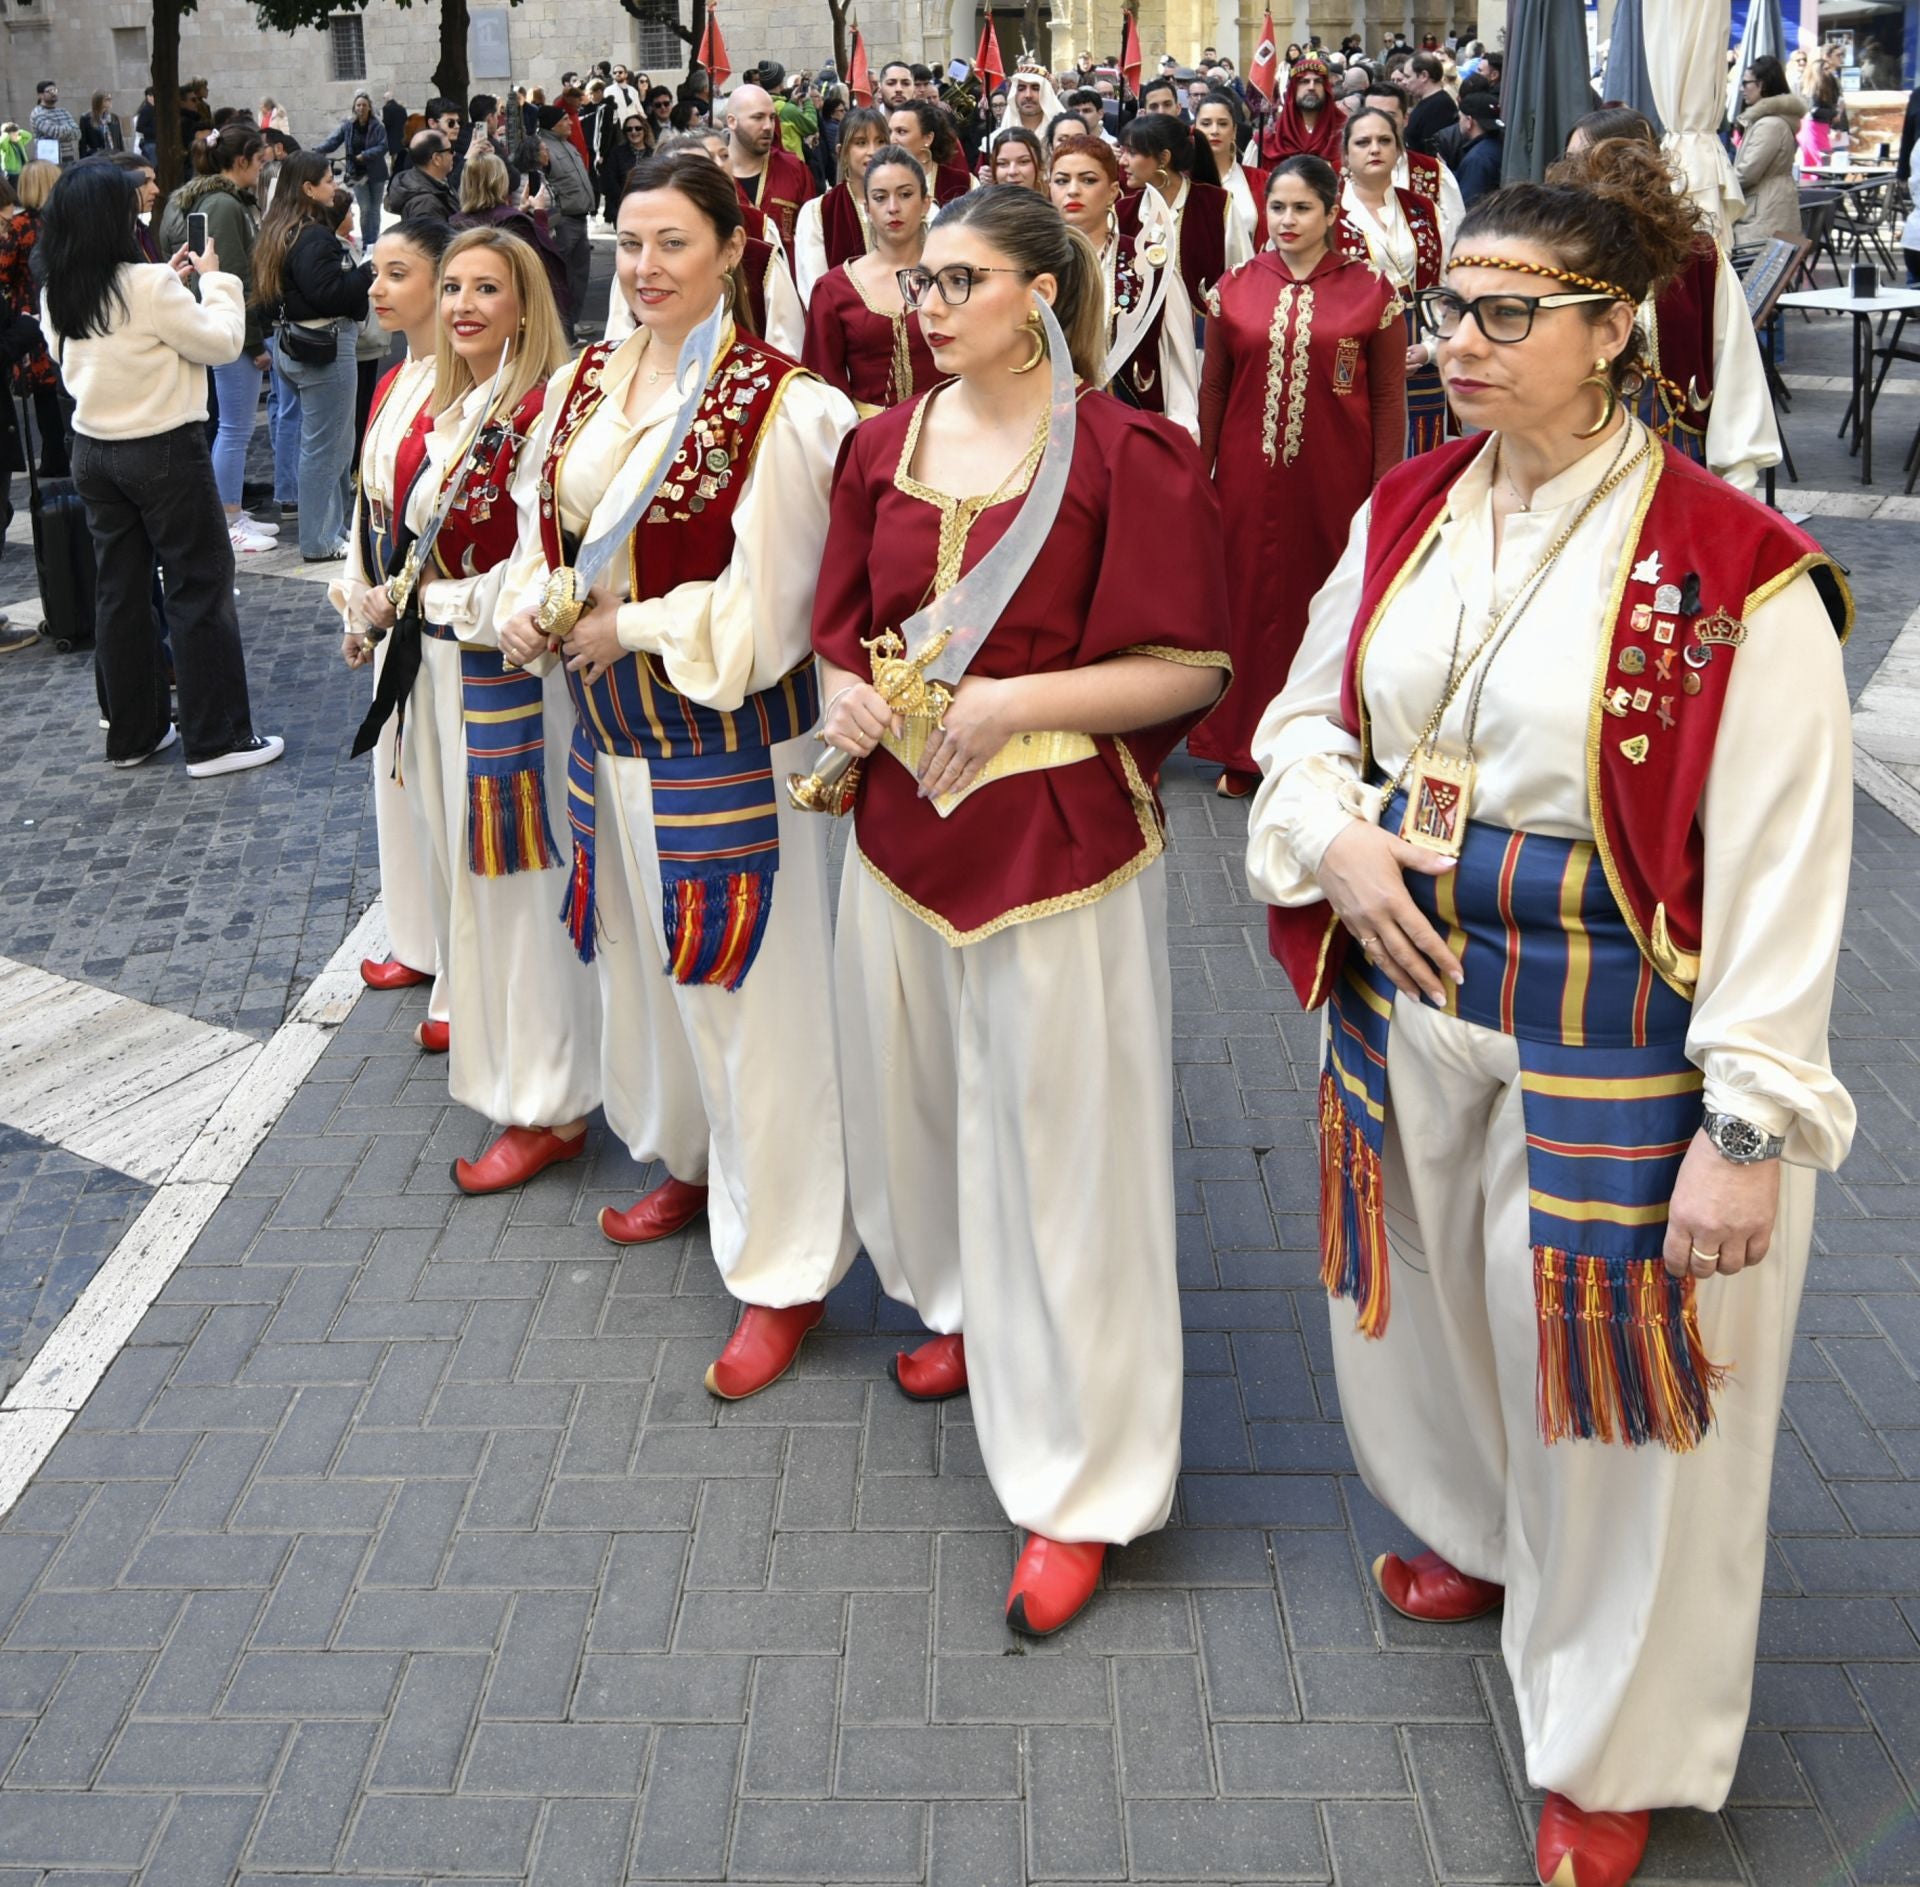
{"points": [[484, 747], [671, 508], [1002, 945]]}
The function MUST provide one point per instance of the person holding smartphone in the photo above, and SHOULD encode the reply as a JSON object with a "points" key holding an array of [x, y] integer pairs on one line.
{"points": [[133, 346]]}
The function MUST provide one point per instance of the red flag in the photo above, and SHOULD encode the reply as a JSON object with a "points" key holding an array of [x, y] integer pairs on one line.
{"points": [[1264, 74], [987, 61], [859, 80], [1130, 61], [713, 53]]}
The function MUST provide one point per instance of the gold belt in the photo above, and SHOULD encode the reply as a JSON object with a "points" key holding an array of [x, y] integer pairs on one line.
{"points": [[1024, 753]]}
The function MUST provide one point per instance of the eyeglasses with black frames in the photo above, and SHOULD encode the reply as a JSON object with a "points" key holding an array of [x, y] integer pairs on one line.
{"points": [[1504, 319], [955, 282]]}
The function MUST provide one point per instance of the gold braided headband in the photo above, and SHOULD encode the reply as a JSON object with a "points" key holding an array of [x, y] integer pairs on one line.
{"points": [[1540, 268]]}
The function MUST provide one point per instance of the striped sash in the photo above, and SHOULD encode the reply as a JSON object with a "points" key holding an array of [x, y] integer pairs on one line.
{"points": [[503, 711], [716, 819], [1610, 1104]]}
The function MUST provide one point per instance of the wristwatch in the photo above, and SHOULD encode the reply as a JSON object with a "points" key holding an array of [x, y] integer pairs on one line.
{"points": [[1740, 1140]]}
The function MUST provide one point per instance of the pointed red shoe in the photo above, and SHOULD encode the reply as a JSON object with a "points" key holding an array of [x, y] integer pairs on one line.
{"points": [[515, 1157], [1575, 1848], [390, 973], [935, 1372], [435, 1037], [761, 1349], [1052, 1583], [1428, 1588], [658, 1214]]}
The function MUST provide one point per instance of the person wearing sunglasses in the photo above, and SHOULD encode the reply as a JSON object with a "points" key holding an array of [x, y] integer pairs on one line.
{"points": [[699, 898], [861, 334], [1555, 814], [1302, 408], [1001, 952]]}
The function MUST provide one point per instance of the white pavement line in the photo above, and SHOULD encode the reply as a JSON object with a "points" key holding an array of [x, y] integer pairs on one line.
{"points": [[1879, 781], [74, 1358], [116, 1081]]}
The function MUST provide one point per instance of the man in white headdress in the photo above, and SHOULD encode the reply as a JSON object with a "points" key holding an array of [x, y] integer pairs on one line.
{"points": [[1032, 103]]}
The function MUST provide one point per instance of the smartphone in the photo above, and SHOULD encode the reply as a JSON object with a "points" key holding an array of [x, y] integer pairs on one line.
{"points": [[196, 232], [957, 70]]}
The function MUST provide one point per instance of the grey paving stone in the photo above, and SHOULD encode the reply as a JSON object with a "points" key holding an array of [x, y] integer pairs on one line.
{"points": [[396, 1832], [1073, 1805], [550, 1759], [1226, 1840], [688, 1809], [583, 1844], [314, 1798], [839, 1841], [791, 1723], [203, 1841], [1376, 1842], [432, 1718], [911, 1763], [1469, 1811], [976, 1844]]}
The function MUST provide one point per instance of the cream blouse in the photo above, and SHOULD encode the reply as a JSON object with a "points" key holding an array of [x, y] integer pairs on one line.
{"points": [[1776, 815], [378, 451], [719, 640]]}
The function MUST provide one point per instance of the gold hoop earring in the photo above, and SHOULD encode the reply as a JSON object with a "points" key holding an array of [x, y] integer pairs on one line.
{"points": [[1037, 334], [1601, 377]]}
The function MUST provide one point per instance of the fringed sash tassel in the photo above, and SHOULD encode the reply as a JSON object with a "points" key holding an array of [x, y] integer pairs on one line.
{"points": [[1353, 1222], [507, 829], [1621, 1358]]}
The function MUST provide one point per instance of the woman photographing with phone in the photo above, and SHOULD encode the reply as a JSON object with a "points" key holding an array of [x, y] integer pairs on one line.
{"points": [[134, 346]]}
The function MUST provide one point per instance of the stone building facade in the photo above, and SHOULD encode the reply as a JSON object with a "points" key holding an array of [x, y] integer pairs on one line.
{"points": [[103, 45]]}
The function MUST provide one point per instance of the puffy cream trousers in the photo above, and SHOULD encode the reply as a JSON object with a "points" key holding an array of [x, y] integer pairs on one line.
{"points": [[735, 1090], [1633, 1575], [525, 1010], [1010, 1150], [412, 936]]}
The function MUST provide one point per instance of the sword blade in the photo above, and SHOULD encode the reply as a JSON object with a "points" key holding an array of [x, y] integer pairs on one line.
{"points": [[423, 544], [967, 612], [691, 373]]}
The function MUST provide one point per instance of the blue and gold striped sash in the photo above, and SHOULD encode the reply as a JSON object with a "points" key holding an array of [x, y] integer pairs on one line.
{"points": [[716, 814], [1610, 1104]]}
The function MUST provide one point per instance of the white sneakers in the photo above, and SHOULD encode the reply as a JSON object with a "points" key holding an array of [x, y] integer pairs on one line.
{"points": [[161, 745], [250, 538], [262, 751]]}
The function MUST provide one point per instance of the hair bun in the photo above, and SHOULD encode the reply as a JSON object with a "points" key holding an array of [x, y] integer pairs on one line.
{"points": [[1636, 179]]}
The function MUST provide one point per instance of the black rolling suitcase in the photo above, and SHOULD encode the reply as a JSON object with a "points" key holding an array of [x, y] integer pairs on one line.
{"points": [[62, 555]]}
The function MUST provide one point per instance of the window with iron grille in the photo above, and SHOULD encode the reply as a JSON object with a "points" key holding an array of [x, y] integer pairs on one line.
{"points": [[657, 45], [348, 43]]}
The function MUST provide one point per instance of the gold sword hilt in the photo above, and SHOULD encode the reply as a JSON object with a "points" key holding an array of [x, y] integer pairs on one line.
{"points": [[901, 682]]}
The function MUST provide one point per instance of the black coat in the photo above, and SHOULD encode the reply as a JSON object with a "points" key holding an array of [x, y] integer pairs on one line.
{"points": [[1433, 115], [319, 279]]}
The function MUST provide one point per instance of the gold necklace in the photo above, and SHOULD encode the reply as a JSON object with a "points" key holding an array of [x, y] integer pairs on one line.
{"points": [[1439, 786]]}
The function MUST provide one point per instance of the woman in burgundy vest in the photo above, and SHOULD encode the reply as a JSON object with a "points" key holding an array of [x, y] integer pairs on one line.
{"points": [[701, 901], [1555, 815]]}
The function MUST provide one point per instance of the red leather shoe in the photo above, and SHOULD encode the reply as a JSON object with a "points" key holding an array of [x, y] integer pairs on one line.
{"points": [[1578, 1848], [1428, 1588], [390, 973], [1052, 1583], [935, 1372], [658, 1214], [761, 1349], [515, 1157], [435, 1037]]}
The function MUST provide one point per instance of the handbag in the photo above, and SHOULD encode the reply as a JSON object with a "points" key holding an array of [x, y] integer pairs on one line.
{"points": [[312, 347]]}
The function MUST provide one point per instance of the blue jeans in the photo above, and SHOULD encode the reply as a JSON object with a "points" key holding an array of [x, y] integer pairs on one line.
{"points": [[283, 428], [238, 387], [324, 397]]}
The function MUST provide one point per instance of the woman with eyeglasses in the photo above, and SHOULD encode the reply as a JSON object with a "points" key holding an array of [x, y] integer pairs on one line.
{"points": [[700, 899], [1302, 408], [1703, 387], [1085, 183], [1396, 231], [1555, 812], [833, 228], [1001, 957], [861, 336]]}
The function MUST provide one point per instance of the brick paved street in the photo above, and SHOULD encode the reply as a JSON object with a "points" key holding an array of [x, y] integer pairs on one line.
{"points": [[401, 1544]]}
